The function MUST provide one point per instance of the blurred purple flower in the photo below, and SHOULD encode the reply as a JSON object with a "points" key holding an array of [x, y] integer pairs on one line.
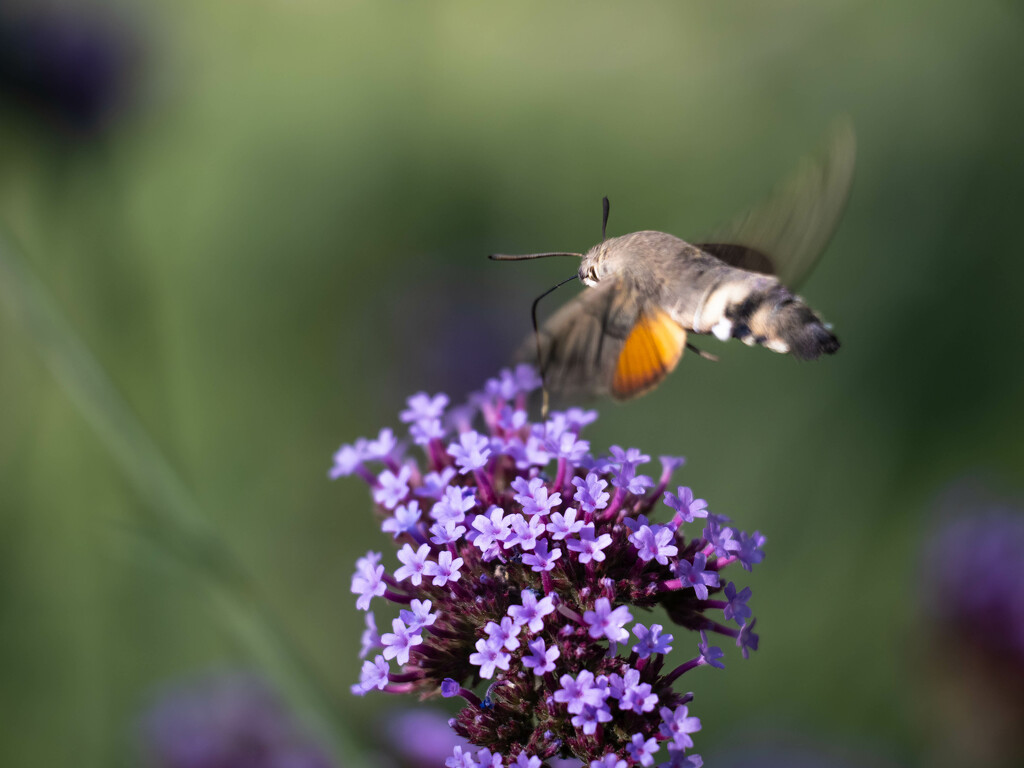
{"points": [[226, 720], [75, 66], [420, 738], [973, 577]]}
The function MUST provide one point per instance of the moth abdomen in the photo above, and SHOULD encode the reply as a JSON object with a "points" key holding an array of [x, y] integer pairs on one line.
{"points": [[803, 331], [781, 322]]}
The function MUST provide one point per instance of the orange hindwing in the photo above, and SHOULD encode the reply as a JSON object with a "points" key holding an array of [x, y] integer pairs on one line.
{"points": [[649, 353]]}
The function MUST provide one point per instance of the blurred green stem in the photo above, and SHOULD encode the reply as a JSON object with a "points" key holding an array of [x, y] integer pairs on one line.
{"points": [[172, 515]]}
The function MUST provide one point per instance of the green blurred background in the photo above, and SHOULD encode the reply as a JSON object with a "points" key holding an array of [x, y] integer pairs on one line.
{"points": [[277, 230]]}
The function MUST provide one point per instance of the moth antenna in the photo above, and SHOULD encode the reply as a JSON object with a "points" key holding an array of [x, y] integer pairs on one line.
{"points": [[536, 335], [605, 208], [525, 256]]}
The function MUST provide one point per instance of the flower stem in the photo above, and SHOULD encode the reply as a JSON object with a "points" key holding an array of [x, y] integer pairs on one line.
{"points": [[685, 667], [396, 597], [486, 489], [560, 474], [613, 508]]}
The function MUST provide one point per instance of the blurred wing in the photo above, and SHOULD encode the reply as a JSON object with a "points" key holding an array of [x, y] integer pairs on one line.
{"points": [[604, 342], [787, 233], [581, 342]]}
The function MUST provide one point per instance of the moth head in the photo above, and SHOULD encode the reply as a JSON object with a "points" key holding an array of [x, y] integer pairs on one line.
{"points": [[592, 266]]}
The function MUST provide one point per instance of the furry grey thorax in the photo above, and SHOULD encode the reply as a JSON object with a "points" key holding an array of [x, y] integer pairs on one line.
{"points": [[705, 295]]}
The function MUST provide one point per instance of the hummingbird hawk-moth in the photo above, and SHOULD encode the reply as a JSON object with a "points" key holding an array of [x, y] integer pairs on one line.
{"points": [[648, 291]]}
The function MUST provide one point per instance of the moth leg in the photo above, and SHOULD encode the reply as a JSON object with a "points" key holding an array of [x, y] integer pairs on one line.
{"points": [[702, 353]]}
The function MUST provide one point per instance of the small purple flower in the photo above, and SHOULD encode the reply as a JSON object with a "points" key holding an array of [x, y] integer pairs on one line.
{"points": [[588, 546], [449, 533], [414, 563], [720, 536], [471, 452], [600, 464], [526, 761], [561, 526], [679, 760], [420, 615], [453, 505], [627, 479], [513, 419], [710, 655], [687, 507], [651, 640], [632, 456], [749, 552], [392, 488], [578, 418], [424, 431], [531, 453], [382, 448], [423, 406], [444, 570], [374, 675], [534, 497], [370, 639], [490, 529], [655, 543], [406, 518], [608, 761], [694, 575], [435, 483], [489, 656], [507, 384], [397, 644], [590, 492], [670, 464], [485, 759], [524, 533], [642, 751], [748, 639], [542, 659], [605, 622], [590, 718], [634, 524], [368, 580], [348, 459], [541, 560], [503, 635], [632, 694], [677, 725], [737, 610], [569, 447], [580, 691], [461, 758], [532, 611]]}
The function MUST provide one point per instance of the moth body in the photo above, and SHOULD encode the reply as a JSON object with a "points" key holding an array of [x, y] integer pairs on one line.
{"points": [[648, 291], [705, 295]]}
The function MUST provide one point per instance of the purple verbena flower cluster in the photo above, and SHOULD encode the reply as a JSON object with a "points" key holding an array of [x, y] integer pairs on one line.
{"points": [[522, 559]]}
